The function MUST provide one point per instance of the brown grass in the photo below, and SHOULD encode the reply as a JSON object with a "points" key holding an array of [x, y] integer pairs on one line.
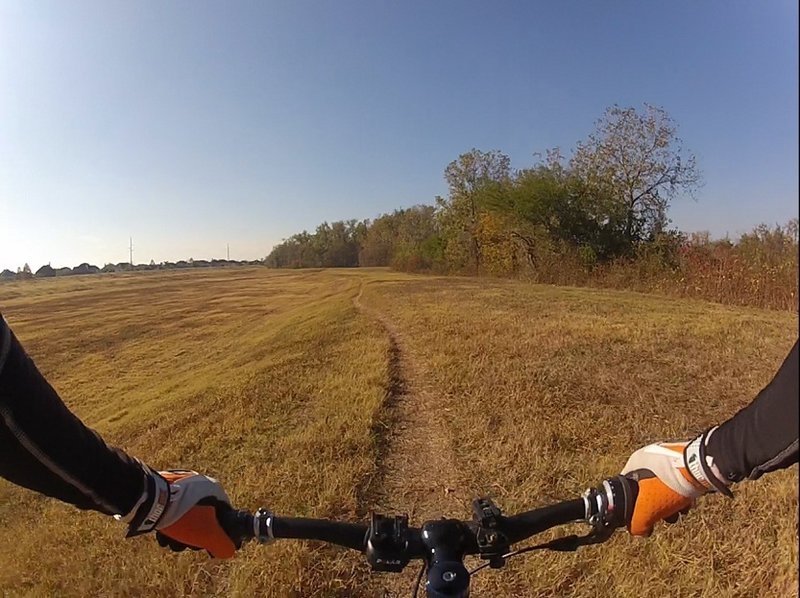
{"points": [[274, 381]]}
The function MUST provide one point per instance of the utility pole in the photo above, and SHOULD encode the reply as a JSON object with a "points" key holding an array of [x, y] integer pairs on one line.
{"points": [[131, 251], [228, 247]]}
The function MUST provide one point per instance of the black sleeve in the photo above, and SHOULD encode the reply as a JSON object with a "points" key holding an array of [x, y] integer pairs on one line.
{"points": [[762, 437], [44, 447]]}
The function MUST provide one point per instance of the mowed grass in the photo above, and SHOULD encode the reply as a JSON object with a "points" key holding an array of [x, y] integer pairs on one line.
{"points": [[274, 383], [268, 382]]}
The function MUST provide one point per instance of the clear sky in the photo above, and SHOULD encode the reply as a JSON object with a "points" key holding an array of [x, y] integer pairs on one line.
{"points": [[189, 125]]}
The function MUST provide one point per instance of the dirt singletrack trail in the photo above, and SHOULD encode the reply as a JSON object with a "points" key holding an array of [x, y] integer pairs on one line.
{"points": [[417, 474]]}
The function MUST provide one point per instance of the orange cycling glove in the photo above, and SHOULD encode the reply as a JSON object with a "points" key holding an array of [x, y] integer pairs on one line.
{"points": [[671, 475], [184, 507]]}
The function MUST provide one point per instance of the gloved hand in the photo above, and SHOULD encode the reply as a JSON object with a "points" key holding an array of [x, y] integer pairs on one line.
{"points": [[671, 477], [184, 507]]}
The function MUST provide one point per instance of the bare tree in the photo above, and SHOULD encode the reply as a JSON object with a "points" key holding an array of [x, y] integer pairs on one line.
{"points": [[638, 159]]}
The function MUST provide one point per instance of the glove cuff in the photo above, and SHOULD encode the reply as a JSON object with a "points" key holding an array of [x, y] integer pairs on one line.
{"points": [[150, 509], [699, 465]]}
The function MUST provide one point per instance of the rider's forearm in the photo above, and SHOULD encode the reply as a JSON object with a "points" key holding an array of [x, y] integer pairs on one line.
{"points": [[44, 447], [763, 436]]}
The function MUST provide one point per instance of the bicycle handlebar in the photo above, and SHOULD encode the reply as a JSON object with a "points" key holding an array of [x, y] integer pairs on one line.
{"points": [[390, 544], [242, 526]]}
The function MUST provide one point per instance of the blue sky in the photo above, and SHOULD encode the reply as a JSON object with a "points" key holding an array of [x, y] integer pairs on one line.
{"points": [[189, 125]]}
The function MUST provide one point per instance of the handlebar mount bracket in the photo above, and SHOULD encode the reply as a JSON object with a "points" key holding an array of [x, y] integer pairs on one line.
{"points": [[387, 543]]}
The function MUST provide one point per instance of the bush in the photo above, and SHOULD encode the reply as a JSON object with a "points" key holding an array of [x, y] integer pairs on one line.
{"points": [[759, 270]]}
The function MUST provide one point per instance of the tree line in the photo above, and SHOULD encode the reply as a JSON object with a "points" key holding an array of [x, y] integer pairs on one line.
{"points": [[599, 217], [607, 200]]}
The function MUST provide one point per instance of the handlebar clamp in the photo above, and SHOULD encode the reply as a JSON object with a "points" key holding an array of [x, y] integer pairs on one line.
{"points": [[610, 505], [492, 543], [262, 526]]}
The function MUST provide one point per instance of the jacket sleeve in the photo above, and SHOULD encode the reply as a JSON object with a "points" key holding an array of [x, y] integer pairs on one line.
{"points": [[763, 436], [44, 447]]}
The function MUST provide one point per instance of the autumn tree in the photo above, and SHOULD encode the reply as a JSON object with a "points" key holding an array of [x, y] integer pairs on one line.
{"points": [[406, 238], [637, 158], [465, 176]]}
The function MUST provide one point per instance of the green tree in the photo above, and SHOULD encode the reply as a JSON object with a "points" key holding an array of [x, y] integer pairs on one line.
{"points": [[334, 245], [548, 206], [380, 240]]}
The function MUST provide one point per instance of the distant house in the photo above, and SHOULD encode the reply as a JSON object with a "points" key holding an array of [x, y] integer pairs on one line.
{"points": [[45, 272], [85, 268]]}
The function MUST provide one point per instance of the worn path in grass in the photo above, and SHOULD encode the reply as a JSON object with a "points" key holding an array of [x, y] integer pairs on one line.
{"points": [[416, 472]]}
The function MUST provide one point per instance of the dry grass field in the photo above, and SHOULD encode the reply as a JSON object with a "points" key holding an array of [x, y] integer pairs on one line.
{"points": [[329, 393]]}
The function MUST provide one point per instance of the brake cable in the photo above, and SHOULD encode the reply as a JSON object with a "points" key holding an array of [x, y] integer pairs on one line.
{"points": [[509, 555], [600, 533], [569, 543], [419, 579]]}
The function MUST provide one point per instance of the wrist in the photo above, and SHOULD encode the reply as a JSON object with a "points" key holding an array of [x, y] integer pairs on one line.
{"points": [[151, 506], [701, 466]]}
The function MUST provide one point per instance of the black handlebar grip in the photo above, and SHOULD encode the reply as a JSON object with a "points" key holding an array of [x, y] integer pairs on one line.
{"points": [[628, 493], [239, 525]]}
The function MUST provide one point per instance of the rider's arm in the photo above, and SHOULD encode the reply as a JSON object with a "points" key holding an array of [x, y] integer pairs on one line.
{"points": [[763, 436], [45, 448]]}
